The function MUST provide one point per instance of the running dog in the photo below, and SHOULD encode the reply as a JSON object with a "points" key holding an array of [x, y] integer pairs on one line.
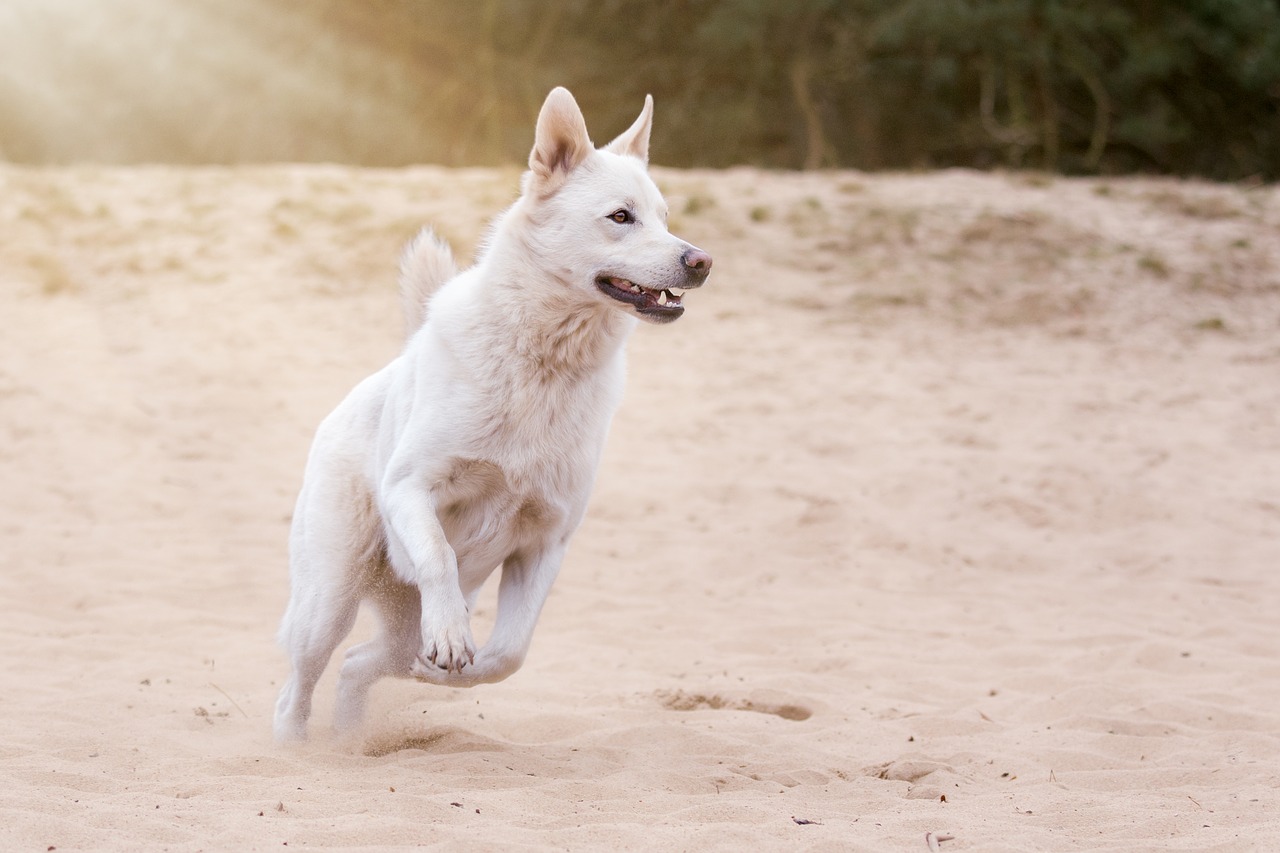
{"points": [[477, 447]]}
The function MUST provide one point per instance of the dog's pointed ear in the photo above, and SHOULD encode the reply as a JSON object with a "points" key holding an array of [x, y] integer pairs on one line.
{"points": [[635, 139], [560, 143]]}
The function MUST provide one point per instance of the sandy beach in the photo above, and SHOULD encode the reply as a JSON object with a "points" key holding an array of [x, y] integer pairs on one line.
{"points": [[951, 506]]}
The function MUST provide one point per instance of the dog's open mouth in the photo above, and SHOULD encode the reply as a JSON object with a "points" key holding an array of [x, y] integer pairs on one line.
{"points": [[655, 304]]}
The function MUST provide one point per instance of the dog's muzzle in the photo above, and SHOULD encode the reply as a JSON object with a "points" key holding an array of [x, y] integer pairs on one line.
{"points": [[659, 304]]}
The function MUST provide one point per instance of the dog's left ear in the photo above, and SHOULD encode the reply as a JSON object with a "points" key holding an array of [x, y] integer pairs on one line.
{"points": [[635, 139], [560, 143]]}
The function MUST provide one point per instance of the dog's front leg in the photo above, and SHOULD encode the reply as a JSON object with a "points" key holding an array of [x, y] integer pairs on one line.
{"points": [[526, 581], [417, 541]]}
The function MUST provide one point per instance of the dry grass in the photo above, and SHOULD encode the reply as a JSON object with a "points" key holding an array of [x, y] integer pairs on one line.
{"points": [[1070, 256], [1197, 202]]}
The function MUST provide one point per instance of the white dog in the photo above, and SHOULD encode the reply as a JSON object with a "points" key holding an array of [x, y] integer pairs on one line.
{"points": [[477, 447]]}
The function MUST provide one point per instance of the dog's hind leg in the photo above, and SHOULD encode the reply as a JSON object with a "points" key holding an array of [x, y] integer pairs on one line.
{"points": [[330, 553], [313, 628], [390, 654]]}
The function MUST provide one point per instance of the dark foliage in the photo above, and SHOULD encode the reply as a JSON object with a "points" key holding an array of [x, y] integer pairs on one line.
{"points": [[1079, 86]]}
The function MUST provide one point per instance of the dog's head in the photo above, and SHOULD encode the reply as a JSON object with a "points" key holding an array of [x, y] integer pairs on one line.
{"points": [[601, 219]]}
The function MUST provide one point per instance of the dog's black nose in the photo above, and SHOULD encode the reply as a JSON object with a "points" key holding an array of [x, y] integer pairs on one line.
{"points": [[698, 261]]}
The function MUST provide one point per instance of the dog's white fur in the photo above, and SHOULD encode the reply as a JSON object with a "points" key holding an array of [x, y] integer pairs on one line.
{"points": [[477, 447]]}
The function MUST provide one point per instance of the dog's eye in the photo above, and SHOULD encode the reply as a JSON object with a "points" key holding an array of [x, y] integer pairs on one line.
{"points": [[622, 216]]}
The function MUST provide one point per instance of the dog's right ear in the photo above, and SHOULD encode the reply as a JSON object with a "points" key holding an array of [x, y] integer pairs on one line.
{"points": [[560, 143]]}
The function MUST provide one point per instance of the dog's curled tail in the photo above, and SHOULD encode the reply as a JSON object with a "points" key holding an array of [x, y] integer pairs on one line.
{"points": [[426, 264]]}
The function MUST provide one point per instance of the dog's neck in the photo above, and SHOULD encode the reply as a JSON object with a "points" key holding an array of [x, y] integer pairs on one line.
{"points": [[557, 337], [567, 342]]}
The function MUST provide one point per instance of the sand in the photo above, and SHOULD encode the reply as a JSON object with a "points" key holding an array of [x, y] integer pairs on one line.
{"points": [[951, 506]]}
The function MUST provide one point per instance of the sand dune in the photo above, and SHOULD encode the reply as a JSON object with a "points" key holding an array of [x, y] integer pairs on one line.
{"points": [[952, 505]]}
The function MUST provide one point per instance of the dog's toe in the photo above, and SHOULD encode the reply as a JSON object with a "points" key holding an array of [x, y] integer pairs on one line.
{"points": [[448, 652]]}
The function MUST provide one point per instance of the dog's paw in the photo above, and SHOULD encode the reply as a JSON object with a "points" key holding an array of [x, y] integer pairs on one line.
{"points": [[429, 673], [446, 650], [487, 668]]}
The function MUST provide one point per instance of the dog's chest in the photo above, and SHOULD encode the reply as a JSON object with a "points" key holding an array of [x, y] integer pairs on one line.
{"points": [[519, 474], [486, 512]]}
